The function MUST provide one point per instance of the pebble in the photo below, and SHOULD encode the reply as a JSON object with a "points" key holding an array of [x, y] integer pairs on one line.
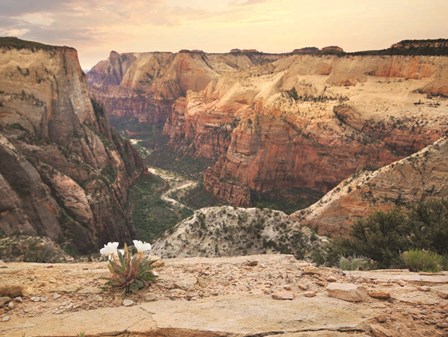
{"points": [[128, 302], [11, 305], [56, 296], [6, 318], [150, 297], [331, 279], [303, 286], [310, 294], [19, 299], [424, 288], [4, 300], [35, 299], [379, 295], [381, 318], [252, 263], [283, 295]]}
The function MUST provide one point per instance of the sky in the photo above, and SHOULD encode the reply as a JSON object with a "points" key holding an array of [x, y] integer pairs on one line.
{"points": [[95, 27]]}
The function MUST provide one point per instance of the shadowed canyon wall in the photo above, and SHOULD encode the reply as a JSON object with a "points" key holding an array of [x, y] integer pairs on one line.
{"points": [[63, 172]]}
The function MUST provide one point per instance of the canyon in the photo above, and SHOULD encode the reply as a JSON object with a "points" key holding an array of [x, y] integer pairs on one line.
{"points": [[64, 173], [288, 124]]}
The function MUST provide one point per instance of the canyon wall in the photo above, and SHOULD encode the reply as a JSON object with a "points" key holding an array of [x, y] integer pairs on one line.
{"points": [[420, 176], [63, 172], [290, 121]]}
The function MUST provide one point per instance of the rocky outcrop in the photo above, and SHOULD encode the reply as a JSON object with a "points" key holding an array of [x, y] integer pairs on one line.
{"points": [[420, 176], [291, 121], [425, 47], [64, 173], [232, 231]]}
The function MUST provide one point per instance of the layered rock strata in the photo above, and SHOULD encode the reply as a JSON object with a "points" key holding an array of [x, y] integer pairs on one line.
{"points": [[420, 176], [290, 121], [63, 172]]}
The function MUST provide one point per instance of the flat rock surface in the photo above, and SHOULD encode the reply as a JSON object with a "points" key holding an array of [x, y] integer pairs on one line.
{"points": [[228, 298]]}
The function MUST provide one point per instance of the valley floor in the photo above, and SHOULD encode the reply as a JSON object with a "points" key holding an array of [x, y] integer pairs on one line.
{"points": [[260, 295]]}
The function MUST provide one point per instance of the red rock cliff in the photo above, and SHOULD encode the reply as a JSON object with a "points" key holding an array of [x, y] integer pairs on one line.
{"points": [[63, 172], [276, 122], [345, 113]]}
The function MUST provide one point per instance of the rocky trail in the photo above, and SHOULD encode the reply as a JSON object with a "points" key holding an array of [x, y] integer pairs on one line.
{"points": [[259, 295]]}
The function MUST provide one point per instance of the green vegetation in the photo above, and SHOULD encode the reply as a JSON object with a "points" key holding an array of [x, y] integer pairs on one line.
{"points": [[422, 260], [198, 198], [130, 272], [287, 201], [132, 128], [356, 263], [151, 215], [164, 157], [383, 236], [13, 42]]}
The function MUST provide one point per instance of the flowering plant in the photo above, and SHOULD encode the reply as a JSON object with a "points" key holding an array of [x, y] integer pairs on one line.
{"points": [[129, 272]]}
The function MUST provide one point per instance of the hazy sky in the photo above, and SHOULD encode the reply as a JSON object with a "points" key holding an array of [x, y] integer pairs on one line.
{"points": [[95, 27]]}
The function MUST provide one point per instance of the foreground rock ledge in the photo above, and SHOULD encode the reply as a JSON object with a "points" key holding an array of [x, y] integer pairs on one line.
{"points": [[220, 297], [219, 316]]}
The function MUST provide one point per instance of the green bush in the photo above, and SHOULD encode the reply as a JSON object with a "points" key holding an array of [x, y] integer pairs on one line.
{"points": [[422, 260], [383, 236], [356, 263]]}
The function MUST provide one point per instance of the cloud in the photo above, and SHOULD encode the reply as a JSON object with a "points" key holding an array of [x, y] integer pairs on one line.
{"points": [[17, 8], [247, 2]]}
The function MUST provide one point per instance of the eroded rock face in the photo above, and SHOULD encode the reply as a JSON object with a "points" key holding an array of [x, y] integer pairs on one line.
{"points": [[276, 122], [417, 177], [232, 231], [341, 119], [63, 172]]}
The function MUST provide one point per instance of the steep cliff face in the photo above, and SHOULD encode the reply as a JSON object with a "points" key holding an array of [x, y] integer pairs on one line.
{"points": [[292, 121], [419, 176], [63, 172], [308, 122], [145, 85]]}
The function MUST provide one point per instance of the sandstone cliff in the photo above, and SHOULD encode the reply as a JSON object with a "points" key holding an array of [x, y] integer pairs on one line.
{"points": [[282, 122], [144, 86], [419, 176], [63, 172], [232, 231]]}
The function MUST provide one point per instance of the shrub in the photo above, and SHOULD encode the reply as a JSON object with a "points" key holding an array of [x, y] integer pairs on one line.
{"points": [[383, 236], [422, 260], [130, 272], [356, 263]]}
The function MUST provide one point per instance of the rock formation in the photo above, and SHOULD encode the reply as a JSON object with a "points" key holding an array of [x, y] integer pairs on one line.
{"points": [[63, 172], [280, 122], [419, 176], [232, 231]]}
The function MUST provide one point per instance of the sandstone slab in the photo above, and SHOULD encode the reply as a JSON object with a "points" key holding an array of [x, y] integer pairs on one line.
{"points": [[347, 292], [220, 316]]}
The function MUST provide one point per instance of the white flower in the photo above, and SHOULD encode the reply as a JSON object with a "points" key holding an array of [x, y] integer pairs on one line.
{"points": [[109, 249], [142, 246]]}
